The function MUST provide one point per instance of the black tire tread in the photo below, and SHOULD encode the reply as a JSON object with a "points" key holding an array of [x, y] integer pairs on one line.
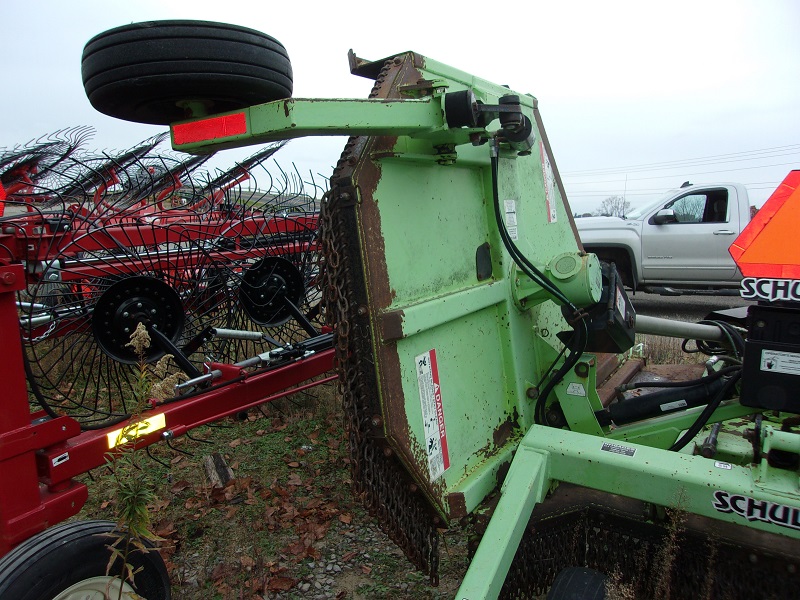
{"points": [[578, 583], [24, 570], [141, 71]]}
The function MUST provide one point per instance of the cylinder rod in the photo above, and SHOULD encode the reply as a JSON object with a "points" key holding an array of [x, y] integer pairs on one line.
{"points": [[678, 329]]}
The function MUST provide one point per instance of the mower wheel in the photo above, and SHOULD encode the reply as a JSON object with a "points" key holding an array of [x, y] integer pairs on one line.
{"points": [[578, 583], [160, 72], [69, 561]]}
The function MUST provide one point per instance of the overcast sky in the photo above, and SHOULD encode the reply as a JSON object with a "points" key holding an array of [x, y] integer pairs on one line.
{"points": [[637, 97]]}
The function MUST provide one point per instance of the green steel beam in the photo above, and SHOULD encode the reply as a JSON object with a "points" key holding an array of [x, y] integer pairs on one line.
{"points": [[405, 320], [671, 479], [525, 486], [294, 118], [692, 484]]}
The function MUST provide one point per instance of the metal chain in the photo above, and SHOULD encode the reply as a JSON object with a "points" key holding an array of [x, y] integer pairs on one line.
{"points": [[378, 476], [50, 329]]}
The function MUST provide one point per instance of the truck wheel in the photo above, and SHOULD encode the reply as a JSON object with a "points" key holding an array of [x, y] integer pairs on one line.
{"points": [[159, 72], [68, 562], [578, 583]]}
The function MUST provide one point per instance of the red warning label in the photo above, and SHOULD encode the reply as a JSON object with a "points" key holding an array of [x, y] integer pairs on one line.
{"points": [[430, 397]]}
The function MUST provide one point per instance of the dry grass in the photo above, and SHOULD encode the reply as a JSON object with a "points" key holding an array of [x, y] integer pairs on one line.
{"points": [[617, 589], [660, 350]]}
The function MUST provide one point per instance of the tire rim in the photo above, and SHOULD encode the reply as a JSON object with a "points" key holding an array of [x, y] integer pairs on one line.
{"points": [[98, 588]]}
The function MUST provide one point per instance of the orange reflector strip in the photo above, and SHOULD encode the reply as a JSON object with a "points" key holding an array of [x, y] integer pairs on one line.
{"points": [[209, 129], [768, 247]]}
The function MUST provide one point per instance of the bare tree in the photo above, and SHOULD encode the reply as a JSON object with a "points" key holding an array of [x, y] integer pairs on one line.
{"points": [[613, 206]]}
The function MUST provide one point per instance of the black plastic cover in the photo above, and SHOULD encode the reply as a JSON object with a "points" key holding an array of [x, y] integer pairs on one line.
{"points": [[771, 369]]}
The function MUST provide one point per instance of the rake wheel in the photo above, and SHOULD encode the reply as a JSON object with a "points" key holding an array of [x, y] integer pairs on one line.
{"points": [[179, 279]]}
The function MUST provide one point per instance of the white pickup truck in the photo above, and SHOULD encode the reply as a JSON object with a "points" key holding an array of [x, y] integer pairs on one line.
{"points": [[679, 242]]}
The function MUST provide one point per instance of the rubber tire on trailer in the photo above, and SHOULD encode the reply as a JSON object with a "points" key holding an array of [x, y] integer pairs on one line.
{"points": [[146, 72], [59, 557], [578, 583]]}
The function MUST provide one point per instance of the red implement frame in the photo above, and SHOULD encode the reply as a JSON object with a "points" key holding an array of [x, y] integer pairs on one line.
{"points": [[39, 456]]}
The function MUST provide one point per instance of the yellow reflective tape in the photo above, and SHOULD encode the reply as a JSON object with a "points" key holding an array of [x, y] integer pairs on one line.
{"points": [[136, 430]]}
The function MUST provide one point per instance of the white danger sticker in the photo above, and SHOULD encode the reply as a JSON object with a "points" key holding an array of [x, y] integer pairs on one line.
{"points": [[576, 389], [780, 362], [549, 185], [430, 397], [511, 218]]}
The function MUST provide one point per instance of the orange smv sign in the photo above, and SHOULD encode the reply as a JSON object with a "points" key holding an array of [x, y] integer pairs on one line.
{"points": [[768, 247]]}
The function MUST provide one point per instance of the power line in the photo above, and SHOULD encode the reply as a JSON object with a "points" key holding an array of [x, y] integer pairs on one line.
{"points": [[759, 185], [684, 174], [749, 155]]}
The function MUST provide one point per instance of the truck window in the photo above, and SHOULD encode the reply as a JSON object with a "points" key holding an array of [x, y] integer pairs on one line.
{"points": [[716, 207], [708, 207], [689, 209]]}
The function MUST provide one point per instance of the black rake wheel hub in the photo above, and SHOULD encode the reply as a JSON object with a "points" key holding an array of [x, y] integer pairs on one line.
{"points": [[140, 299], [266, 286]]}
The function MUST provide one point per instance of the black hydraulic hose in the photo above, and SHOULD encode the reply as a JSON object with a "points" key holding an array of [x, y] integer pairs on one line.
{"points": [[735, 340], [707, 412], [577, 343], [527, 267], [676, 384], [658, 403]]}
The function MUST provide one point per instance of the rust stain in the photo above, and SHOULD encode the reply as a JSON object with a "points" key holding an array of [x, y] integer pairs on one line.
{"points": [[392, 325], [501, 434], [457, 505]]}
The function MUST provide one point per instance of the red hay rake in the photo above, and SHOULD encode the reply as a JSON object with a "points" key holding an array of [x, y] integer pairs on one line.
{"points": [[222, 270]]}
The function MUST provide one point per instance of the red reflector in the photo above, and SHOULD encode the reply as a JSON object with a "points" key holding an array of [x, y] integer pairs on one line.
{"points": [[209, 129]]}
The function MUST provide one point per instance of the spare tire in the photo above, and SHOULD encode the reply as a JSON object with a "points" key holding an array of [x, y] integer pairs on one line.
{"points": [[159, 72]]}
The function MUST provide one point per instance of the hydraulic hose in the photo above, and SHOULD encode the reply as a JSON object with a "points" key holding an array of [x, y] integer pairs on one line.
{"points": [[577, 342], [659, 403], [707, 412]]}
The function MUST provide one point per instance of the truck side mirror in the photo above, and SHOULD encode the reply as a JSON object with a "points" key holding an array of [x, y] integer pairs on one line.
{"points": [[665, 215]]}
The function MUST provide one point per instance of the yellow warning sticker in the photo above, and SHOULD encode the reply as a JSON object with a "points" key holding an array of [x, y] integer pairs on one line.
{"points": [[136, 430]]}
